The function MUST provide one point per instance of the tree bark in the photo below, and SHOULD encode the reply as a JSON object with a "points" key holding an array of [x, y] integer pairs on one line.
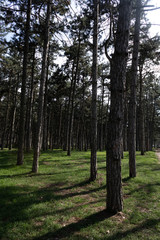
{"points": [[133, 88], [13, 117], [115, 125], [45, 115], [141, 114], [71, 117], [30, 106], [68, 109], [101, 120], [93, 165], [20, 154], [6, 115], [41, 91]]}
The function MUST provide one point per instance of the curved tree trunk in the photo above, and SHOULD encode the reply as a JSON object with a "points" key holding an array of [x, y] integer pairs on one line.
{"points": [[115, 126]]}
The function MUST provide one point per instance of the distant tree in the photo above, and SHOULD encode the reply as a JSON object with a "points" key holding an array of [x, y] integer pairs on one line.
{"points": [[148, 53]]}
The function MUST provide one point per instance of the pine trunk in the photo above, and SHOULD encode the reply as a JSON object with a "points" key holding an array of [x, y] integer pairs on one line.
{"points": [[71, 117], [141, 115], [41, 92], [20, 154], [93, 167], [30, 106], [133, 91], [115, 125]]}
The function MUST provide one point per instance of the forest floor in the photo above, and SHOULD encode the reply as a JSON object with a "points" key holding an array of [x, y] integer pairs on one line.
{"points": [[60, 203], [158, 154]]}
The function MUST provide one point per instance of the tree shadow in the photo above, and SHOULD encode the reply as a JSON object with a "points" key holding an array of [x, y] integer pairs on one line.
{"points": [[75, 227], [81, 184], [126, 179], [48, 192], [29, 174], [145, 225]]}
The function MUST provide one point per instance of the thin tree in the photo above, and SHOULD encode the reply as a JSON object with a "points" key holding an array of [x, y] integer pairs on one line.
{"points": [[37, 143], [115, 125], [21, 132], [133, 88], [93, 165]]}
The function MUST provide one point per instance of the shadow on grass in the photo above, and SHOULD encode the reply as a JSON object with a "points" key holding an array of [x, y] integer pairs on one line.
{"points": [[27, 175], [147, 188], [150, 223], [73, 228], [65, 195], [126, 179], [7, 159], [16, 201], [81, 184], [76, 227]]}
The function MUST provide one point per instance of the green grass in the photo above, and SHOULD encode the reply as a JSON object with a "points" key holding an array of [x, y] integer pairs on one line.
{"points": [[60, 203]]}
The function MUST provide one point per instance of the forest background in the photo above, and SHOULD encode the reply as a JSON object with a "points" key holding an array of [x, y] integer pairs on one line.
{"points": [[78, 80]]}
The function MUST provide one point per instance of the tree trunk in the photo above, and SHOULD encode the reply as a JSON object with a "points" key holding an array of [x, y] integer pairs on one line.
{"points": [[13, 116], [71, 118], [115, 125], [65, 147], [45, 127], [41, 91], [101, 119], [6, 116], [133, 91], [20, 154], [93, 166], [141, 115], [30, 105], [151, 128]]}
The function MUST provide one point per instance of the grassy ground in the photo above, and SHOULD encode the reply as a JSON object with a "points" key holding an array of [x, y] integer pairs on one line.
{"points": [[60, 203]]}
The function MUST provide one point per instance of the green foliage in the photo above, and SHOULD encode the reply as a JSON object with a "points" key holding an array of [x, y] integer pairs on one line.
{"points": [[60, 203]]}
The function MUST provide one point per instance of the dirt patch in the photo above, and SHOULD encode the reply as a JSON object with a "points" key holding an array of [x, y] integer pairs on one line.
{"points": [[120, 217], [158, 155], [46, 163], [38, 224], [143, 210]]}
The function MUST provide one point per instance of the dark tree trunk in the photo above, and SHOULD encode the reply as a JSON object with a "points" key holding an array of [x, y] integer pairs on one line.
{"points": [[93, 167], [125, 128], [71, 117], [6, 116], [59, 126], [141, 115], [45, 116], [101, 120], [41, 91], [151, 129], [21, 133], [65, 147], [30, 106], [115, 125], [133, 91], [13, 117]]}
